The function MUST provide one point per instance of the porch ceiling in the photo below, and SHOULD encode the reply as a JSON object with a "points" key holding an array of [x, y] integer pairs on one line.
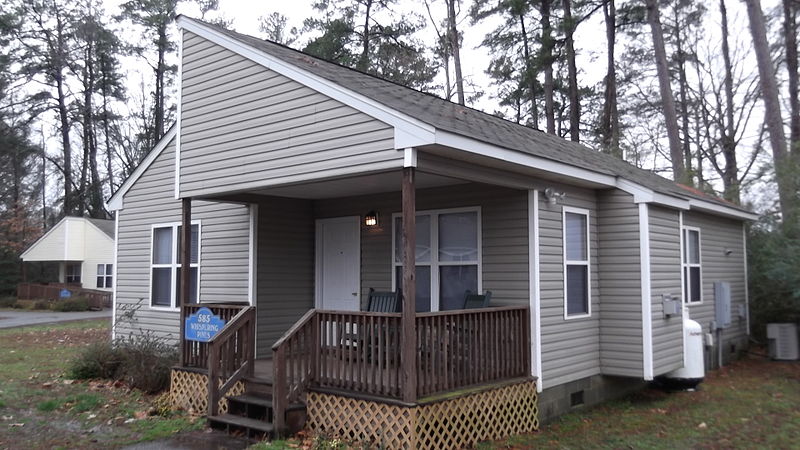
{"points": [[365, 184]]}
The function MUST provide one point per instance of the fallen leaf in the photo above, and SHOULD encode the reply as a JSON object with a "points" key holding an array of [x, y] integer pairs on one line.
{"points": [[91, 416], [16, 425], [140, 414], [702, 426], [47, 385], [129, 421], [8, 417]]}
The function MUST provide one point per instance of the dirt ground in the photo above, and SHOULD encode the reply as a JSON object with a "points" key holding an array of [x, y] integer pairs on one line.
{"points": [[41, 408]]}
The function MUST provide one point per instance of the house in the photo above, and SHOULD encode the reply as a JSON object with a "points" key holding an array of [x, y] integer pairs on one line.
{"points": [[82, 247], [299, 185]]}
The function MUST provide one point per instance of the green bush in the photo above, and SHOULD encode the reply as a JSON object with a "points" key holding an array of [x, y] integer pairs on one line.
{"points": [[71, 304], [774, 276], [7, 302], [98, 360], [147, 362]]}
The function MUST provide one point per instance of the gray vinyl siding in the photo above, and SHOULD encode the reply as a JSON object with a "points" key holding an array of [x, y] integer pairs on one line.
{"points": [[716, 235], [285, 267], [244, 126], [665, 278], [570, 347], [224, 248], [504, 229], [620, 285]]}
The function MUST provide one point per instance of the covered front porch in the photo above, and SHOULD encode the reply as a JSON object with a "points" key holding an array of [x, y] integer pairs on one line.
{"points": [[309, 341]]}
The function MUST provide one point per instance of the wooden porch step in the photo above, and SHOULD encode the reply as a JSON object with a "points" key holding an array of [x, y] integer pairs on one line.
{"points": [[258, 386], [232, 421], [265, 401]]}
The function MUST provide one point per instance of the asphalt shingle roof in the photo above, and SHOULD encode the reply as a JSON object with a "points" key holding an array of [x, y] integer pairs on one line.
{"points": [[106, 226], [452, 117]]}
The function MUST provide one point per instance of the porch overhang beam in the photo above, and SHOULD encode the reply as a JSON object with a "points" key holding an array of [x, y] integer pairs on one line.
{"points": [[408, 353], [186, 255]]}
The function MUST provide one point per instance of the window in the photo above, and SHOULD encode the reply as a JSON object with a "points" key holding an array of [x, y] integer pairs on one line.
{"points": [[447, 257], [692, 272], [105, 275], [73, 273], [165, 268], [577, 275]]}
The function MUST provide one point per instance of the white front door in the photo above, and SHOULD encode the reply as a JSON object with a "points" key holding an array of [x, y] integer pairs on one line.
{"points": [[339, 263]]}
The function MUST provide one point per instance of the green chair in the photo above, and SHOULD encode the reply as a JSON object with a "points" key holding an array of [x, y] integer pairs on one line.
{"points": [[383, 301], [474, 301]]}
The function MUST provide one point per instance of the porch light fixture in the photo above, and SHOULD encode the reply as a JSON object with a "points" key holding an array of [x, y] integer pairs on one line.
{"points": [[371, 219], [552, 196]]}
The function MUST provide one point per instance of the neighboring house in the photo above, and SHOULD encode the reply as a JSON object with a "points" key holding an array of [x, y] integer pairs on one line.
{"points": [[82, 247], [281, 156]]}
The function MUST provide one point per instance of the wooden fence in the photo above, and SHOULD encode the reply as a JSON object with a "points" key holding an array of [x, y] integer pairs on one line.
{"points": [[52, 292]]}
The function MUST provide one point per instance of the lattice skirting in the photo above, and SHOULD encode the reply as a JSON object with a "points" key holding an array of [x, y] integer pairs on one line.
{"points": [[457, 422], [189, 391]]}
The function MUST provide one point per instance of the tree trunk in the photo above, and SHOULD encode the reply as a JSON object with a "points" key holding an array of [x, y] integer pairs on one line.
{"points": [[529, 69], [65, 143], [547, 59], [730, 174], [683, 87], [773, 116], [670, 115], [790, 33], [455, 48], [363, 61], [574, 101], [610, 120], [161, 73], [106, 129]]}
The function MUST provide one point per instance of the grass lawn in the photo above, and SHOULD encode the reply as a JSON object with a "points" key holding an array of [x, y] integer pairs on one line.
{"points": [[752, 403], [40, 408]]}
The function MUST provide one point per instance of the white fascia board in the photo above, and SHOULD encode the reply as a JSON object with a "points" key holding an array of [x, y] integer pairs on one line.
{"points": [[644, 265], [177, 178], [721, 210], [475, 146], [643, 194], [115, 203], [409, 132]]}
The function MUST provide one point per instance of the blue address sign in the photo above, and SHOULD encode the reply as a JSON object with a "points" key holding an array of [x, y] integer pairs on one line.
{"points": [[202, 325]]}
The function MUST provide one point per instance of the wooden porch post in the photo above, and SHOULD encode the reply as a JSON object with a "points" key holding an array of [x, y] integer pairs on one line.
{"points": [[408, 352], [186, 258]]}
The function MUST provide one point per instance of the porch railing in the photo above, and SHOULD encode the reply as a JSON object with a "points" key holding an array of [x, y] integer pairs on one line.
{"points": [[195, 353], [360, 352], [52, 291], [231, 356], [471, 346]]}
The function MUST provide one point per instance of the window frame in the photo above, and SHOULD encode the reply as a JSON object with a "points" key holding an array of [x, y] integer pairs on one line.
{"points": [[173, 264], [434, 262], [105, 276], [67, 275], [686, 265], [586, 263]]}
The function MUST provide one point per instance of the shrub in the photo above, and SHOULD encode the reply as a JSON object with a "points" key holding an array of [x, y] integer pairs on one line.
{"points": [[98, 360], [41, 304], [71, 304], [7, 302], [774, 276], [147, 361]]}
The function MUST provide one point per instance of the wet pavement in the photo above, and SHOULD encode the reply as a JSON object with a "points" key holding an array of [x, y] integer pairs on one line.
{"points": [[196, 440], [10, 318]]}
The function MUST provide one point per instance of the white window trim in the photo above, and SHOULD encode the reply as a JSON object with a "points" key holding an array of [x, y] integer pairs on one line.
{"points": [[685, 274], [105, 276], [587, 262], [173, 265], [434, 262]]}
